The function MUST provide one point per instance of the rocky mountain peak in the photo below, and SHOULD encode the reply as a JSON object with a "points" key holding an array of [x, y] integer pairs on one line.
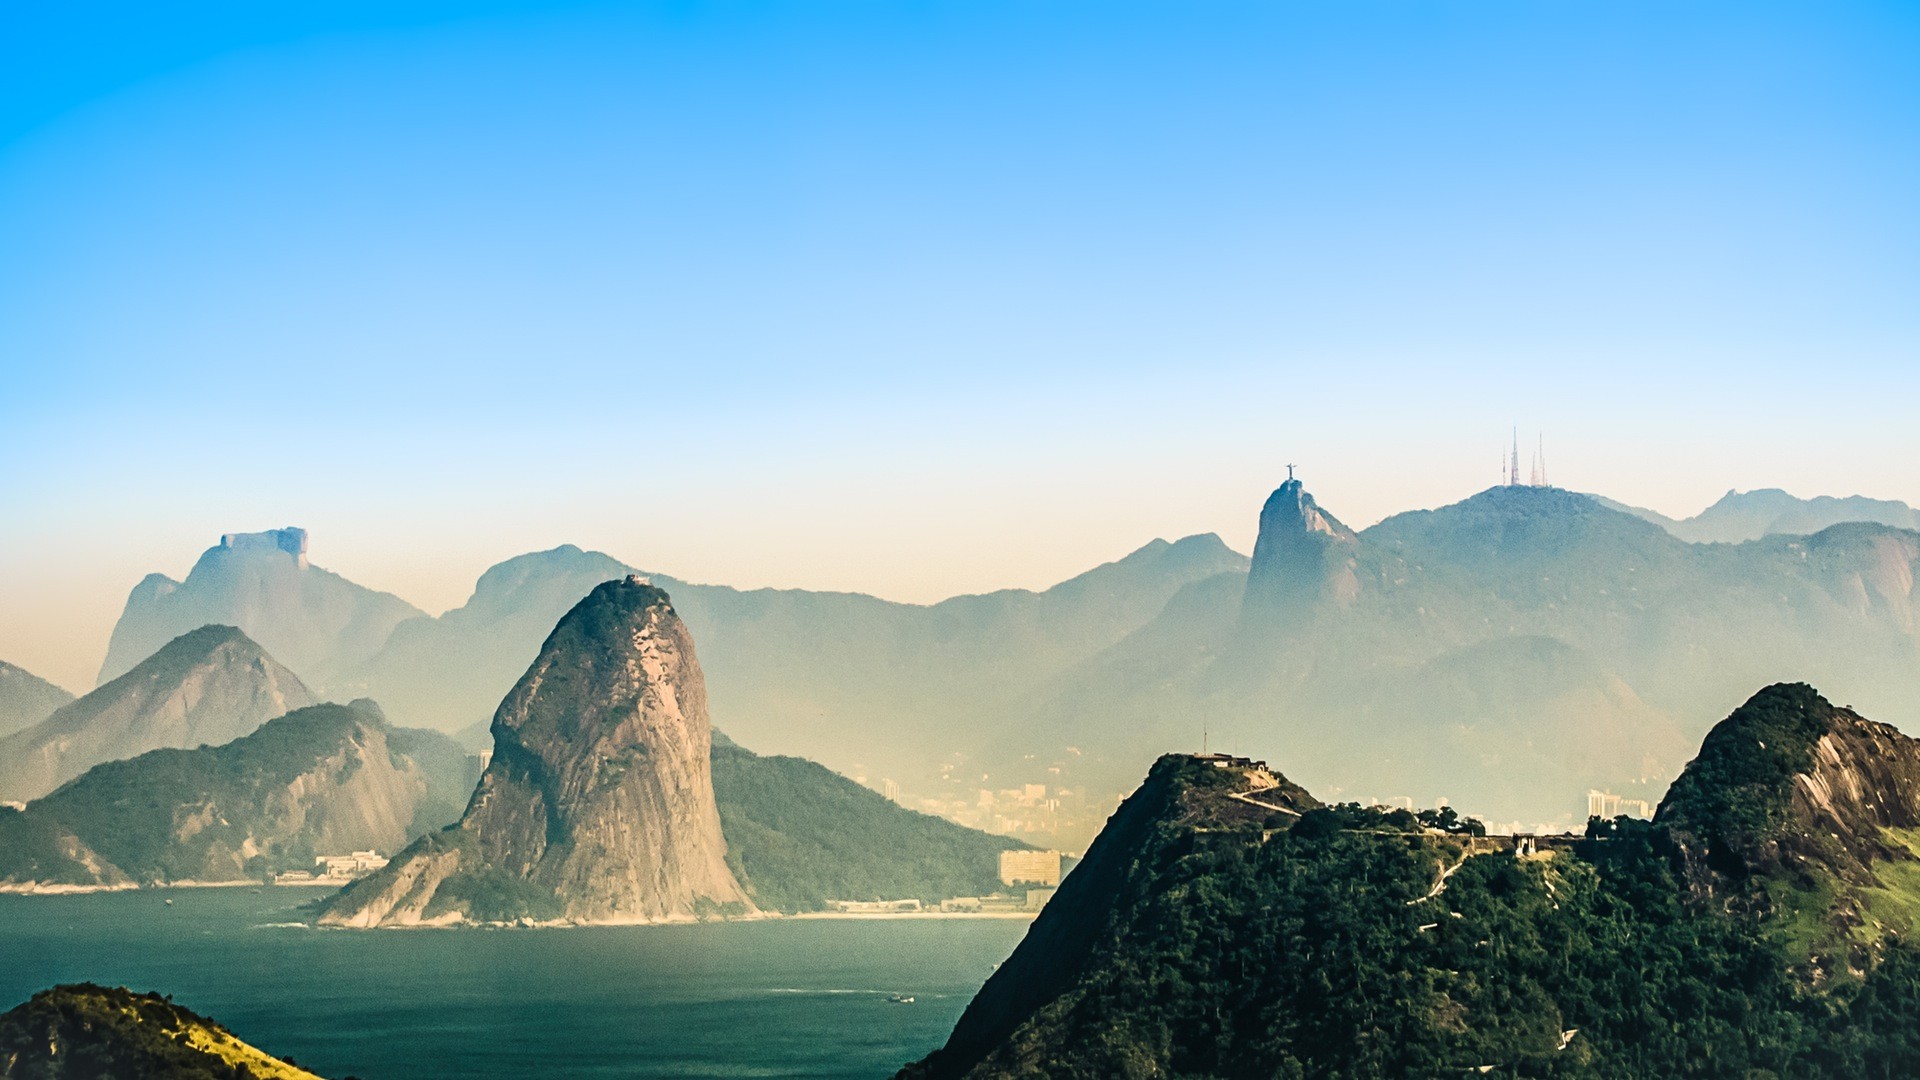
{"points": [[597, 806], [209, 686], [1302, 559], [1800, 809]]}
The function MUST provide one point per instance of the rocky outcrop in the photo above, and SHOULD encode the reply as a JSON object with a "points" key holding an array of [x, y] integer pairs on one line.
{"points": [[322, 780], [208, 686], [1303, 558], [318, 622], [597, 806], [26, 699], [1791, 787]]}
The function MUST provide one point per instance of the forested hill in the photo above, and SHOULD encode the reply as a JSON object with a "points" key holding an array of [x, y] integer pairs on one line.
{"points": [[319, 780], [1202, 940], [799, 834]]}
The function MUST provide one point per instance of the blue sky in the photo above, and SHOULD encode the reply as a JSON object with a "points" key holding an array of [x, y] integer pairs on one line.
{"points": [[918, 299]]}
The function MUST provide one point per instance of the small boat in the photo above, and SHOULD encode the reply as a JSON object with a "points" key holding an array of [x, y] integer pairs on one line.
{"points": [[169, 901], [900, 999]]}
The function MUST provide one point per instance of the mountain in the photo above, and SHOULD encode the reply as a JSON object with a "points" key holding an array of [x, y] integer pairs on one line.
{"points": [[84, 1032], [1304, 558], [799, 835], [1206, 936], [318, 622], [1749, 515], [863, 685], [598, 804], [1512, 650], [326, 779], [210, 685], [451, 672], [26, 699], [1808, 813]]}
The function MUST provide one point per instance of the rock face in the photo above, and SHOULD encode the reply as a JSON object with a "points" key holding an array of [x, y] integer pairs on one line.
{"points": [[324, 780], [208, 686], [26, 699], [321, 624], [1804, 811], [598, 804], [1303, 558]]}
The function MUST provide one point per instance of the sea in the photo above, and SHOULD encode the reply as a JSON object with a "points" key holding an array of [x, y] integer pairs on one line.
{"points": [[775, 998]]}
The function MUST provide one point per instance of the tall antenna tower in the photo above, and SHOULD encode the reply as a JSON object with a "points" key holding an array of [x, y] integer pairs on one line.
{"points": [[1540, 463], [1513, 469]]}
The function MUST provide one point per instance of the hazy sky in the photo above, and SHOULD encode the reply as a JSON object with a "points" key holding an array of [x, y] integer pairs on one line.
{"points": [[914, 298]]}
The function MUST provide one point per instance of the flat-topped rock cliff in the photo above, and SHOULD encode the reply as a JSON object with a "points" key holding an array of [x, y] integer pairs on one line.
{"points": [[598, 804], [316, 621]]}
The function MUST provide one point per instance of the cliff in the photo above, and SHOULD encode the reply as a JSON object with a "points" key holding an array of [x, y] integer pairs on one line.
{"points": [[321, 780], [85, 1032], [598, 804], [1805, 813], [318, 622], [207, 686], [1303, 560]]}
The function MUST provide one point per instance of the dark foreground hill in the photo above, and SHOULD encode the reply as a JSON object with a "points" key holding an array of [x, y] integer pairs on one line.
{"points": [[1202, 937], [328, 779], [88, 1032]]}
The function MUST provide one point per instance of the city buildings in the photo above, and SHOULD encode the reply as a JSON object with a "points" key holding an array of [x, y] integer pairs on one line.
{"points": [[1606, 806], [1030, 867]]}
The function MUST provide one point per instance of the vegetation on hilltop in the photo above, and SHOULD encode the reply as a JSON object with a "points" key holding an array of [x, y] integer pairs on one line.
{"points": [[1359, 943], [89, 1032]]}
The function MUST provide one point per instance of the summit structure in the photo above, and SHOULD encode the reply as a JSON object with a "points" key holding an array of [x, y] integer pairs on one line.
{"points": [[1303, 556]]}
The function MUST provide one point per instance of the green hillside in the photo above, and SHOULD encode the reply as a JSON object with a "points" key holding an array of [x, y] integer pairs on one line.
{"points": [[321, 779], [799, 834]]}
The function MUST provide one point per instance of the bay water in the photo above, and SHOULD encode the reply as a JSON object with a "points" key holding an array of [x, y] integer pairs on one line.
{"points": [[777, 998]]}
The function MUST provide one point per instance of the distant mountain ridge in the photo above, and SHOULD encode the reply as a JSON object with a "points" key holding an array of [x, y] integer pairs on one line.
{"points": [[1517, 647], [320, 780], [1513, 649], [26, 699], [1740, 516], [842, 678], [210, 685], [317, 622]]}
